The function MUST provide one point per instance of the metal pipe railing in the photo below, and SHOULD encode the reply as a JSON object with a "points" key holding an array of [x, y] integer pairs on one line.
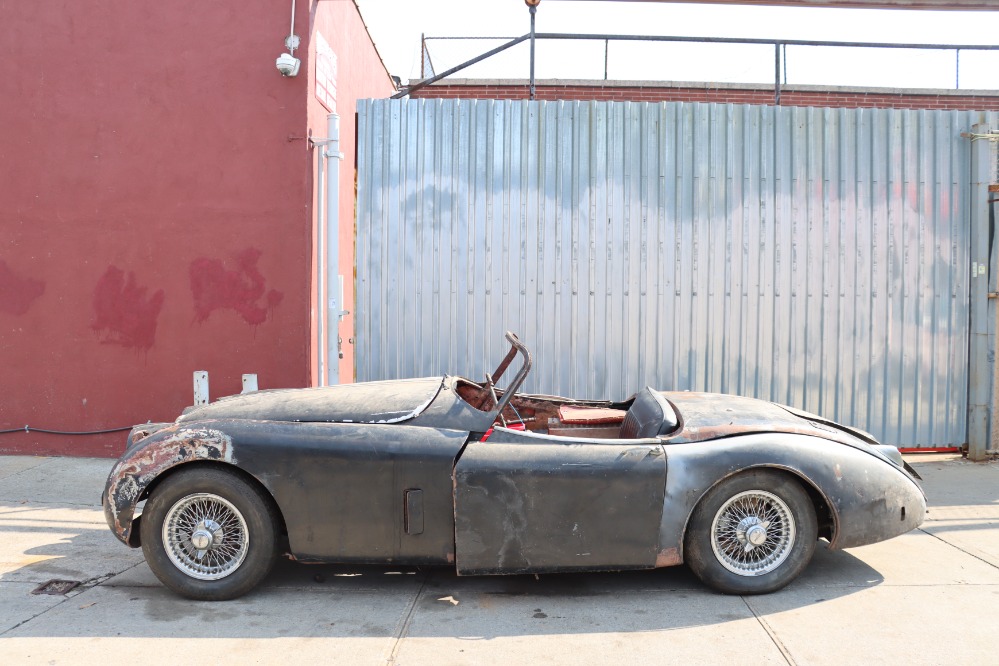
{"points": [[780, 46], [467, 63]]}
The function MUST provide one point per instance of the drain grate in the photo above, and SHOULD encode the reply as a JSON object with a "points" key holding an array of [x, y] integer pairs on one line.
{"points": [[56, 587]]}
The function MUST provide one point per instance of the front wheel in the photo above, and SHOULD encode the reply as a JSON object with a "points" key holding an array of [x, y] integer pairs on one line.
{"points": [[209, 534], [752, 533]]}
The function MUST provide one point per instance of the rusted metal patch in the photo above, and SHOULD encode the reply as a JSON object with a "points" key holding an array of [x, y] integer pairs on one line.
{"points": [[134, 472], [56, 587], [668, 557]]}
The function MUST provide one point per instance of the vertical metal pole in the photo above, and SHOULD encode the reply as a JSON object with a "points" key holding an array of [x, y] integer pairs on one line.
{"points": [[334, 306], [957, 69], [784, 58], [320, 311], [979, 363], [606, 49], [777, 73], [423, 51], [534, 10]]}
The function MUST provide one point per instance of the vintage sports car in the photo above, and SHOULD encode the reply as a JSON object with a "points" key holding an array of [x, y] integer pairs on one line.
{"points": [[447, 471]]}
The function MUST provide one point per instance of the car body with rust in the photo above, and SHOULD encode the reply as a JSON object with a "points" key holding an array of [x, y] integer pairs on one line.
{"points": [[448, 471]]}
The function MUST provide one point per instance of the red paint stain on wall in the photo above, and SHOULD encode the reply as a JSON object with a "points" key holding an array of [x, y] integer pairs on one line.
{"points": [[17, 293], [215, 287], [123, 315]]}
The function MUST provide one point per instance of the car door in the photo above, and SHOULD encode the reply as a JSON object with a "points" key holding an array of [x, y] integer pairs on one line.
{"points": [[353, 492], [528, 503]]}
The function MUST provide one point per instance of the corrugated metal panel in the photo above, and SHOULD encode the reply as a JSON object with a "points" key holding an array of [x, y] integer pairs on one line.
{"points": [[815, 257]]}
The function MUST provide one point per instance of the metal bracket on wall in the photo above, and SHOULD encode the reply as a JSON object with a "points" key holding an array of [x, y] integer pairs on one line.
{"points": [[337, 309], [990, 136], [325, 142]]}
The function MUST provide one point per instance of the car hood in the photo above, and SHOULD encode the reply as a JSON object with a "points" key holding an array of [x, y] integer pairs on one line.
{"points": [[707, 416], [367, 402]]}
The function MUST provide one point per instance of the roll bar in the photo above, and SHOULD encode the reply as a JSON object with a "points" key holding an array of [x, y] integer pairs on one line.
{"points": [[516, 347]]}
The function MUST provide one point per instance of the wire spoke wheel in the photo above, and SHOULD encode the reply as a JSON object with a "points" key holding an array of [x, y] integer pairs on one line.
{"points": [[752, 533], [205, 536], [210, 533]]}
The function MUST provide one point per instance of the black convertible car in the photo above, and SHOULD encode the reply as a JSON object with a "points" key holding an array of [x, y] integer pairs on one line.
{"points": [[447, 471]]}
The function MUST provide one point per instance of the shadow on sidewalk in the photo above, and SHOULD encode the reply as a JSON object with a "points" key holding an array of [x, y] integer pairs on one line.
{"points": [[299, 600]]}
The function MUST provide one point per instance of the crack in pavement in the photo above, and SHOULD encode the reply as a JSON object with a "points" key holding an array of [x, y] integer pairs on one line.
{"points": [[954, 545], [771, 633], [89, 584], [27, 469], [403, 628], [39, 614]]}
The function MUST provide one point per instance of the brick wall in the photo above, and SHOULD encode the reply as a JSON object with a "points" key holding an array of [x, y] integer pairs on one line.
{"points": [[837, 97]]}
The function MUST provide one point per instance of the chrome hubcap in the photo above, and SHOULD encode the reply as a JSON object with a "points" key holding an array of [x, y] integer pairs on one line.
{"points": [[205, 536], [752, 533], [207, 533], [201, 540], [756, 534]]}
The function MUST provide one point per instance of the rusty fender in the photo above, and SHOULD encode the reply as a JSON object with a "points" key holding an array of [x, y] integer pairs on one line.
{"points": [[868, 498], [147, 458]]}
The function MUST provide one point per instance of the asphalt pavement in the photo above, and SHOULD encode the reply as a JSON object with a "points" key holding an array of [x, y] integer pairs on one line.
{"points": [[928, 597]]}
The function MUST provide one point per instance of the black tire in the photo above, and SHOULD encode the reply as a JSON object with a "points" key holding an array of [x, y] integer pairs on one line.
{"points": [[766, 504], [241, 547]]}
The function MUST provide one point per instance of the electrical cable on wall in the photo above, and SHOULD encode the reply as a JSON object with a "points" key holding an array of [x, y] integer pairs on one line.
{"points": [[65, 432]]}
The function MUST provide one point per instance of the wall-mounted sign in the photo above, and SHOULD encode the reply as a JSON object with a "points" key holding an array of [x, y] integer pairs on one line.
{"points": [[325, 73]]}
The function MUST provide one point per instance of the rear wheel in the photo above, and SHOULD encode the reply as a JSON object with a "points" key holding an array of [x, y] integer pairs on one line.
{"points": [[752, 533], [209, 534]]}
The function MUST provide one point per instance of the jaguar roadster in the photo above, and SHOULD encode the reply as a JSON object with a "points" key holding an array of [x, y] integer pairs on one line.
{"points": [[454, 472]]}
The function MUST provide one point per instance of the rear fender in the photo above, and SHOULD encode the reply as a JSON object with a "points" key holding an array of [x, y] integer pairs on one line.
{"points": [[863, 492]]}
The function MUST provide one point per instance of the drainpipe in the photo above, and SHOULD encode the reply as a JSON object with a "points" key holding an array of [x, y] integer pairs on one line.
{"points": [[320, 310], [334, 280], [994, 331], [980, 366]]}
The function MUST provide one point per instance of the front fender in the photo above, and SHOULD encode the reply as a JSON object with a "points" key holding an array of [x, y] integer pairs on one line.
{"points": [[142, 464]]}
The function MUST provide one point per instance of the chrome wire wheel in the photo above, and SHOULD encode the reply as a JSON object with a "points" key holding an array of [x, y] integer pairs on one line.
{"points": [[205, 536], [752, 533]]}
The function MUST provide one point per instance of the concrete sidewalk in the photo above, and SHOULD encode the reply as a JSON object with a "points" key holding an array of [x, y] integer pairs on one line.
{"points": [[924, 598]]}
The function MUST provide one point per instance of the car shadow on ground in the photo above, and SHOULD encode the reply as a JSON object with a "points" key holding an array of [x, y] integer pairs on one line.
{"points": [[299, 600]]}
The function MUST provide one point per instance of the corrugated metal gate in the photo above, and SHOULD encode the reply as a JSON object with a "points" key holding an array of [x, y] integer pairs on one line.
{"points": [[815, 257]]}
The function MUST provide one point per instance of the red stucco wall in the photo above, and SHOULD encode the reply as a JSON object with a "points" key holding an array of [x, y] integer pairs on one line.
{"points": [[156, 212]]}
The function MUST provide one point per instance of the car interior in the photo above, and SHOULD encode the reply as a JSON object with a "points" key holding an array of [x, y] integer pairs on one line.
{"points": [[646, 414]]}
